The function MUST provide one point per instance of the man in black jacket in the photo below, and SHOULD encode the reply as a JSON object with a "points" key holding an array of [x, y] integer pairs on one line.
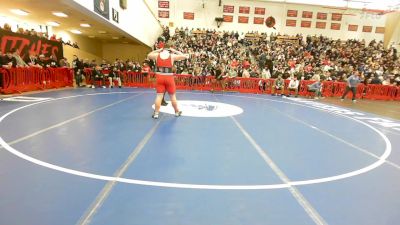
{"points": [[78, 69], [269, 64]]}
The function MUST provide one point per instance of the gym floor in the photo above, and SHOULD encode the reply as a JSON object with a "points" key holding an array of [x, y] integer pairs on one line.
{"points": [[95, 156]]}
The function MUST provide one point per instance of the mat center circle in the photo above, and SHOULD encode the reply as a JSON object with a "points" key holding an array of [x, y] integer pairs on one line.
{"points": [[203, 109]]}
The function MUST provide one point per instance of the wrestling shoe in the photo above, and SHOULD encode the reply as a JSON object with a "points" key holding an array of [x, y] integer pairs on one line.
{"points": [[177, 114], [155, 116]]}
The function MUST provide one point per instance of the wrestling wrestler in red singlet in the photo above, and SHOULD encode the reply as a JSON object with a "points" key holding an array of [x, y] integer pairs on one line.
{"points": [[165, 59]]}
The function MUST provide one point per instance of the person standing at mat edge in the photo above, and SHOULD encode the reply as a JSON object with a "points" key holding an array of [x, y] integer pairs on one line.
{"points": [[352, 83], [165, 58]]}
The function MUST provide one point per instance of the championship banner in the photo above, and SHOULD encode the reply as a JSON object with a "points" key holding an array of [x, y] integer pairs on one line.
{"points": [[229, 8], [243, 19], [352, 27], [307, 14], [322, 16], [320, 25], [102, 8], [380, 30], [188, 16], [336, 16], [228, 19], [292, 13], [335, 26], [258, 20], [163, 4], [367, 29], [244, 9], [259, 11], [306, 24], [27, 43], [290, 23], [163, 14]]}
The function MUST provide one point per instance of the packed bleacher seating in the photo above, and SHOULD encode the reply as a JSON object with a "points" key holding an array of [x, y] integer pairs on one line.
{"points": [[217, 55], [257, 55]]}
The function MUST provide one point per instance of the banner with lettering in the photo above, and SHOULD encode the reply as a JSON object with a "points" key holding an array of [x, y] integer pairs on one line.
{"points": [[102, 7], [163, 4], [380, 30], [258, 20], [367, 29], [228, 19], [244, 9], [229, 8], [336, 17], [290, 23], [27, 43], [188, 15], [322, 16], [163, 14], [335, 26], [305, 23], [292, 13], [243, 19], [259, 11], [352, 27], [307, 14], [320, 25]]}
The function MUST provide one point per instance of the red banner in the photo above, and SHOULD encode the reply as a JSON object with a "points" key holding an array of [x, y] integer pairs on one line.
{"points": [[306, 24], [307, 14], [188, 16], [163, 14], [320, 25], [26, 43], [163, 4], [292, 13], [380, 30], [228, 19], [243, 19], [335, 26], [367, 29], [352, 27], [259, 11], [290, 23], [336, 16], [229, 8], [258, 20], [322, 16], [244, 9]]}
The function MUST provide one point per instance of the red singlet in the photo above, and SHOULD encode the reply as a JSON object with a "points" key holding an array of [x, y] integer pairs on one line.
{"points": [[164, 75]]}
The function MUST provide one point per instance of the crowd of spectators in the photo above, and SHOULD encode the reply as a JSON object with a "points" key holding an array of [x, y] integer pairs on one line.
{"points": [[232, 54], [107, 70], [45, 35], [262, 56], [13, 59]]}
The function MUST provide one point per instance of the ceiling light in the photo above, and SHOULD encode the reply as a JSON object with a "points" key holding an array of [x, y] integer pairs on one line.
{"points": [[76, 31], [19, 12], [102, 32], [125, 42], [85, 25], [91, 36], [115, 38], [60, 14], [52, 23]]}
